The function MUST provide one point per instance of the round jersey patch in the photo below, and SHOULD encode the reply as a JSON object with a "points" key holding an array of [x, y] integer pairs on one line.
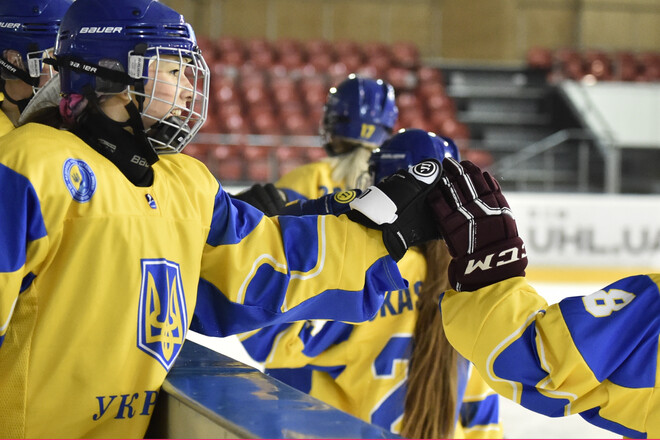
{"points": [[79, 179], [345, 196]]}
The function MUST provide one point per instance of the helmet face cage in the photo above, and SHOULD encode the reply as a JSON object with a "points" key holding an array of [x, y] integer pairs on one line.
{"points": [[29, 27], [180, 122], [360, 110], [37, 69], [409, 147]]}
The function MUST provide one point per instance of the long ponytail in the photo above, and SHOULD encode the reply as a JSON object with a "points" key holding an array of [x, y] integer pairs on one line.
{"points": [[430, 405]]}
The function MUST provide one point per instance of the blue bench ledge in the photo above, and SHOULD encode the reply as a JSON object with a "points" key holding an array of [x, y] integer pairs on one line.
{"points": [[209, 395]]}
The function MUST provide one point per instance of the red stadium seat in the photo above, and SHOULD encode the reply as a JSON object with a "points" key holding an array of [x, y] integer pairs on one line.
{"points": [[625, 66], [321, 61], [289, 158], [438, 103], [346, 47], [481, 158], [198, 151], [405, 54], [228, 163], [296, 124], [318, 46], [265, 123], [539, 58], [228, 43], [400, 78], [429, 74], [430, 88], [407, 100], [259, 164], [314, 154], [235, 124]]}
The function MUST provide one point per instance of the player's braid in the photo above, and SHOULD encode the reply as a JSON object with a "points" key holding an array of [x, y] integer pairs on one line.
{"points": [[431, 397], [349, 167]]}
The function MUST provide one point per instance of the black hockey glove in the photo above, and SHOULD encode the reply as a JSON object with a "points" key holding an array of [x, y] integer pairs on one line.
{"points": [[397, 206], [265, 198], [476, 222]]}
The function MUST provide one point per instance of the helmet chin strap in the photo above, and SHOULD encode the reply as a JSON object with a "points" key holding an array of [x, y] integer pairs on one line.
{"points": [[130, 152], [20, 103]]}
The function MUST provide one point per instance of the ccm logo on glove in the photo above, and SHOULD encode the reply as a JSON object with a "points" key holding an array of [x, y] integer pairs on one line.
{"points": [[508, 256]]}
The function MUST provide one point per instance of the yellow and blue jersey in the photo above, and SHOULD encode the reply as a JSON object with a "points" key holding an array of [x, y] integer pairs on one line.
{"points": [[363, 368], [100, 280], [5, 123], [596, 355], [310, 181]]}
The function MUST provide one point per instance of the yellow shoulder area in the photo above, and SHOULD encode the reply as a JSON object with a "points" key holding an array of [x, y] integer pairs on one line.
{"points": [[311, 180], [187, 168], [307, 171], [413, 265], [35, 136], [5, 124], [36, 142]]}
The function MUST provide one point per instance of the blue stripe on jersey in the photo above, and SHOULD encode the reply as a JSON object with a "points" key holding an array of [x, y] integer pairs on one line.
{"points": [[215, 315], [227, 226], [484, 412], [333, 332], [618, 347], [20, 220], [301, 236], [592, 416], [27, 281], [519, 362], [260, 344]]}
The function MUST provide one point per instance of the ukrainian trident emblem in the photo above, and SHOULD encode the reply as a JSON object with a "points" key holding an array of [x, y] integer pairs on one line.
{"points": [[162, 316]]}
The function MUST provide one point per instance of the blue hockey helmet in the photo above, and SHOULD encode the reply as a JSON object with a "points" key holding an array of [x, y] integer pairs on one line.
{"points": [[359, 111], [409, 147], [107, 47], [28, 27]]}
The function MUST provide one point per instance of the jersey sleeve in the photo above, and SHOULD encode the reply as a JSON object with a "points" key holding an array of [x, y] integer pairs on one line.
{"points": [[23, 240], [479, 413], [297, 344], [259, 271], [594, 355]]}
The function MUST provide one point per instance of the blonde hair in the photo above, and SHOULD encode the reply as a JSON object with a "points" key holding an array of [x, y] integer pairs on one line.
{"points": [[431, 398], [352, 168]]}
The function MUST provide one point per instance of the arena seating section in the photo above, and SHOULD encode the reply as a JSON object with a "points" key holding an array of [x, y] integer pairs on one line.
{"points": [[267, 96], [596, 65]]}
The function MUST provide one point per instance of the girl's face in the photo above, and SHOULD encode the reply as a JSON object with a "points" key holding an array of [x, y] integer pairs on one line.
{"points": [[168, 90]]}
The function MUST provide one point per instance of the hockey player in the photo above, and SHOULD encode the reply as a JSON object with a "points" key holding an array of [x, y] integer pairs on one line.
{"points": [[358, 116], [398, 370], [27, 34], [596, 356], [109, 240]]}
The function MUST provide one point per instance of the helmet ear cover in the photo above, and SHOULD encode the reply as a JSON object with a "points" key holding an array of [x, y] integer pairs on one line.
{"points": [[409, 147]]}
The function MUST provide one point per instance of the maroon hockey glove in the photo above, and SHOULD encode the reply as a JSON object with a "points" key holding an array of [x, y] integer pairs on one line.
{"points": [[476, 222], [397, 206]]}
